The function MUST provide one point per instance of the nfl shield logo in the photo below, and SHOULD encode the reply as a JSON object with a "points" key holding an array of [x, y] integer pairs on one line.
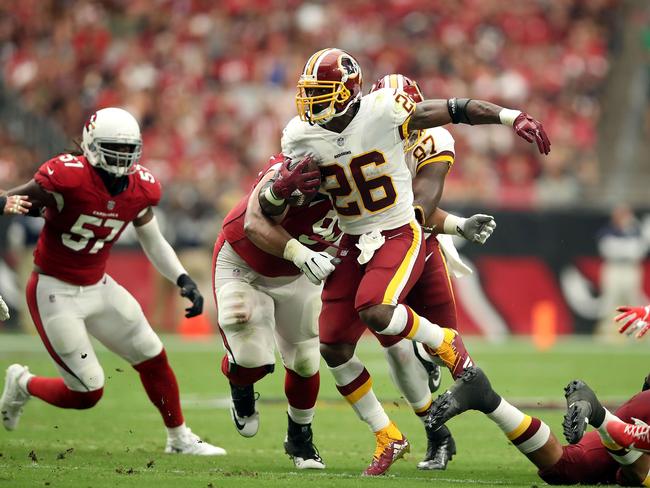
{"points": [[110, 205], [340, 141]]}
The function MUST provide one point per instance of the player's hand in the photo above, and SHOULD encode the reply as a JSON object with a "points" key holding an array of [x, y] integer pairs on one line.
{"points": [[4, 310], [315, 265], [290, 180], [478, 228], [531, 130], [17, 205], [636, 320], [190, 290]]}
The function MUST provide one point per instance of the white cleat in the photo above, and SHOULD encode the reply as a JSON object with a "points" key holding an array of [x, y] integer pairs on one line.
{"points": [[190, 443], [246, 426], [13, 396]]}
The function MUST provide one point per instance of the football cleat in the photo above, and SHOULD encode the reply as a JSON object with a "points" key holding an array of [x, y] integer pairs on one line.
{"points": [[583, 408], [433, 370], [441, 448], [243, 413], [646, 383], [13, 396], [629, 436], [471, 391], [190, 443], [299, 445], [452, 352], [391, 446]]}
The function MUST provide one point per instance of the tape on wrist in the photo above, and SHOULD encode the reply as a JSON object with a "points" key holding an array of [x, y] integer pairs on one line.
{"points": [[507, 116], [453, 225], [271, 198]]}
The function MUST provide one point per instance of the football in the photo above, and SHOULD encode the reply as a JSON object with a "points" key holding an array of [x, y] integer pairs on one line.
{"points": [[299, 199]]}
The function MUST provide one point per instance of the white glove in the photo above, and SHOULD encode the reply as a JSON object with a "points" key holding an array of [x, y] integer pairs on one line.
{"points": [[4, 310], [477, 228], [315, 265]]}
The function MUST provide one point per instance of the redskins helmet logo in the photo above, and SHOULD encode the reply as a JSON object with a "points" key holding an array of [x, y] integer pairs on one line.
{"points": [[349, 67]]}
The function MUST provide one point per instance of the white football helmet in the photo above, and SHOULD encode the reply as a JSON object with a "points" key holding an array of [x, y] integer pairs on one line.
{"points": [[111, 141]]}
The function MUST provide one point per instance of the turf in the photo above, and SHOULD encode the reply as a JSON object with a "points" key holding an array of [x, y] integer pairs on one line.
{"points": [[120, 442]]}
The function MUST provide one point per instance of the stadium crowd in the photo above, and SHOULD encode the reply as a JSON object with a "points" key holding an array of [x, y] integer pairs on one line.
{"points": [[212, 83]]}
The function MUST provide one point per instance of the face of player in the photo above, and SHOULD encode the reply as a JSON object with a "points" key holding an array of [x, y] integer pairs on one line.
{"points": [[316, 92], [118, 154]]}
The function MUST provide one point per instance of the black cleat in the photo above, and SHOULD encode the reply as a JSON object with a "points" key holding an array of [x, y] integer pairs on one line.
{"points": [[583, 408], [433, 370], [471, 391], [440, 449], [299, 445], [243, 413], [646, 383]]}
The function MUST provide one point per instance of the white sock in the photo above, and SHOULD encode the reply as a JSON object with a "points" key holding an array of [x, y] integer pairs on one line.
{"points": [[354, 382], [301, 416], [420, 329], [176, 433], [408, 374], [23, 381], [528, 434]]}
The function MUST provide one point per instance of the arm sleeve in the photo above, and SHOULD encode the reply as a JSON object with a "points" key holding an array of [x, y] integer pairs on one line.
{"points": [[159, 251]]}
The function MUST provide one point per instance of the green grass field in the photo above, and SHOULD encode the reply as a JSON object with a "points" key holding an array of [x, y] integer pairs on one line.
{"points": [[120, 442]]}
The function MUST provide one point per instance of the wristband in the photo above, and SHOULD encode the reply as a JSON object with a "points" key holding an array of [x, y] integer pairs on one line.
{"points": [[271, 198], [292, 249], [508, 116], [453, 225], [3, 203]]}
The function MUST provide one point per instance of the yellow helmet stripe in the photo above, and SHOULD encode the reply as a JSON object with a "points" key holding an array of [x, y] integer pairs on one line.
{"points": [[393, 82], [309, 67]]}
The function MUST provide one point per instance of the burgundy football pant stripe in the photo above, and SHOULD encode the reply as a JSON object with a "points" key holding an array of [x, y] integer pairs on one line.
{"points": [[32, 303]]}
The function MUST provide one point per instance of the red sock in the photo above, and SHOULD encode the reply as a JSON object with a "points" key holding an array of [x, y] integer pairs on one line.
{"points": [[241, 376], [54, 392], [160, 384], [301, 392]]}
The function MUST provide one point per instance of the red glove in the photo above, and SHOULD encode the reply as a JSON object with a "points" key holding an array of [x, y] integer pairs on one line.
{"points": [[637, 320], [531, 130], [301, 177]]}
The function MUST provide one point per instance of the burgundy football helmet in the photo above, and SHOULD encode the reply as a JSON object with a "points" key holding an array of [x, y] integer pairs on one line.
{"points": [[329, 85], [399, 82]]}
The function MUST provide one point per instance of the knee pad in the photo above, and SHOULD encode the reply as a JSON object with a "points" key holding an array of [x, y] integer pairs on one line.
{"points": [[304, 358], [235, 302]]}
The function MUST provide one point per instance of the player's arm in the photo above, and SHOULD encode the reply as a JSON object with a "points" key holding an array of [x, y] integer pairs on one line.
{"points": [[162, 256], [434, 113], [267, 234], [26, 199]]}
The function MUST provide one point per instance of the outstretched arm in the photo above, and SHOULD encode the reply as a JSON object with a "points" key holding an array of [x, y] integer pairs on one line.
{"points": [[162, 256], [434, 113]]}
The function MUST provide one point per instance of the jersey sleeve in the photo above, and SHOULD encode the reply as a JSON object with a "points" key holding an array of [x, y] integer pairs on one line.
{"points": [[60, 174], [435, 146], [151, 187], [292, 142]]}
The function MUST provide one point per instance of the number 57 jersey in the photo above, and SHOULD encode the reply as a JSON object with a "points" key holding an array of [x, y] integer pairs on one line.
{"points": [[79, 232], [363, 166]]}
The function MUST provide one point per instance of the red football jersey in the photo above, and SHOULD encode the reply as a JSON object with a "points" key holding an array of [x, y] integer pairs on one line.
{"points": [[311, 224], [80, 231]]}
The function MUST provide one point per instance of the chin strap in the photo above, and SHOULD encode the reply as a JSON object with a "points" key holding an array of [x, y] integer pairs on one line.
{"points": [[342, 112]]}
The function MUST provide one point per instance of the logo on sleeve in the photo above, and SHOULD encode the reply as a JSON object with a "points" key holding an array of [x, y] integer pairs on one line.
{"points": [[50, 171]]}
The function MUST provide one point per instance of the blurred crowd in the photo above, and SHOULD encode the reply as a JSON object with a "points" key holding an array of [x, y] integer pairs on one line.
{"points": [[212, 83]]}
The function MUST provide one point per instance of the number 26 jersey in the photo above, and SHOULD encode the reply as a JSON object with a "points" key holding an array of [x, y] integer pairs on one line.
{"points": [[87, 220], [363, 167]]}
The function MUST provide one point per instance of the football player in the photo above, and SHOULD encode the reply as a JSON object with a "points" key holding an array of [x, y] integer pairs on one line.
{"points": [[87, 200], [358, 143], [592, 458], [264, 300]]}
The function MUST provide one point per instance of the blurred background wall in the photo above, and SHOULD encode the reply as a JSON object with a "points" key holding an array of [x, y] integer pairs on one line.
{"points": [[212, 85]]}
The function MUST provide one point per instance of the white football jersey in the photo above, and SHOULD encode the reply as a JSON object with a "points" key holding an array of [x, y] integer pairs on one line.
{"points": [[363, 167], [435, 145]]}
